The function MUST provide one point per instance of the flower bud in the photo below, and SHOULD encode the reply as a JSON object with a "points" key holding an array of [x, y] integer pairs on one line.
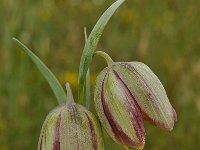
{"points": [[117, 111], [70, 127], [126, 94]]}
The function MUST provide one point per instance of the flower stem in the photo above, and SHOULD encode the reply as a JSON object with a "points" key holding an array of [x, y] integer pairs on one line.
{"points": [[105, 56]]}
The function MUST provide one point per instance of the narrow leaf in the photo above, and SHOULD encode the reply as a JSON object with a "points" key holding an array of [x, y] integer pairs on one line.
{"points": [[53, 82], [91, 44], [87, 86]]}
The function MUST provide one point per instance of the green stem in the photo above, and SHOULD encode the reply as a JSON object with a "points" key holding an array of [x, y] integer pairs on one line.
{"points": [[105, 56], [85, 33]]}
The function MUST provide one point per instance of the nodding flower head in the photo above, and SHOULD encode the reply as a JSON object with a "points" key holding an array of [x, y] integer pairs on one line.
{"points": [[70, 126], [126, 94]]}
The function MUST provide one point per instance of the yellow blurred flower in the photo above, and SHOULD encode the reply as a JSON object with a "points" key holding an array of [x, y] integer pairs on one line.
{"points": [[72, 78]]}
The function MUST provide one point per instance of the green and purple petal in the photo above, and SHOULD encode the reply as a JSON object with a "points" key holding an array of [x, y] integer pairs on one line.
{"points": [[71, 127], [118, 110], [149, 93]]}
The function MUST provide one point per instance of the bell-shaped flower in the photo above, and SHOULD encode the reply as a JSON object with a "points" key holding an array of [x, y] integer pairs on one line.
{"points": [[126, 93], [70, 127]]}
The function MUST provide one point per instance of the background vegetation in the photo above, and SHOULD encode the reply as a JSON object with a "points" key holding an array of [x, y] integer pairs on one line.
{"points": [[163, 34]]}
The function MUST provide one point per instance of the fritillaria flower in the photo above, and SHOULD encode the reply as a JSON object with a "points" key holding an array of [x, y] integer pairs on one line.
{"points": [[126, 94], [70, 127]]}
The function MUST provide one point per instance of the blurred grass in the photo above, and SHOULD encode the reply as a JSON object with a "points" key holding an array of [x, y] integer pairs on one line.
{"points": [[163, 34]]}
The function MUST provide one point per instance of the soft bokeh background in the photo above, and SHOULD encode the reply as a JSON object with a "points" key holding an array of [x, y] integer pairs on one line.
{"points": [[164, 34]]}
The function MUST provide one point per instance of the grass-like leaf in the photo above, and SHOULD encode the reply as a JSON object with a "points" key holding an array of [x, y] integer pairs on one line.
{"points": [[87, 85], [90, 46], [52, 80]]}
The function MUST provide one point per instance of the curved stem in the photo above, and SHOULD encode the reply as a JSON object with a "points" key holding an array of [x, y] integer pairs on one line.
{"points": [[85, 34], [70, 97], [105, 56]]}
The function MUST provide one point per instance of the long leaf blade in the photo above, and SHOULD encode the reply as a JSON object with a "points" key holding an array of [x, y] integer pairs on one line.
{"points": [[52, 80], [87, 86], [91, 44]]}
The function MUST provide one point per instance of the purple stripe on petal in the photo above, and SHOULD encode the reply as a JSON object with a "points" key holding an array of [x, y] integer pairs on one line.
{"points": [[116, 129], [174, 114], [151, 95], [56, 144], [152, 98], [145, 115], [134, 109], [41, 142], [93, 134]]}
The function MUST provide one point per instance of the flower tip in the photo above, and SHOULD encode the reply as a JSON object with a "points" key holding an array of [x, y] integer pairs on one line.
{"points": [[69, 93], [67, 86], [140, 148], [168, 128], [174, 115]]}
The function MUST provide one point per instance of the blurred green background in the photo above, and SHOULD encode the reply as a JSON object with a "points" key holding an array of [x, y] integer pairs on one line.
{"points": [[163, 34]]}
